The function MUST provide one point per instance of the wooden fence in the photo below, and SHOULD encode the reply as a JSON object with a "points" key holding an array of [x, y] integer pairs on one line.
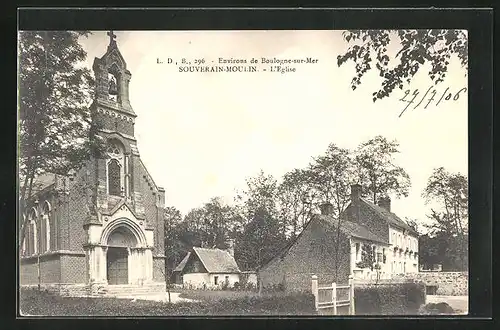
{"points": [[329, 299]]}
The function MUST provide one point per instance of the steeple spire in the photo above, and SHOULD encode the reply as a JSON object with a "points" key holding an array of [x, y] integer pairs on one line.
{"points": [[112, 38]]}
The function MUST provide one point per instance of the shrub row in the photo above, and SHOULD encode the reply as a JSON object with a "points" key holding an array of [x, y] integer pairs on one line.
{"points": [[33, 302], [389, 299]]}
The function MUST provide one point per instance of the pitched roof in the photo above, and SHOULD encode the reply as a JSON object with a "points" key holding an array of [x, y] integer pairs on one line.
{"points": [[43, 181], [354, 229], [349, 228], [389, 217], [214, 260], [183, 263]]}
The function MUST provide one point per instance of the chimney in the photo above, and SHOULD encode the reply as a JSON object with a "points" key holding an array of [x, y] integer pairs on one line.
{"points": [[326, 208], [230, 249], [355, 193], [385, 202]]}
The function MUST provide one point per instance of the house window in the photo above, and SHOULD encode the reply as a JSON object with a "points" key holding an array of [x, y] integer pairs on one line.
{"points": [[383, 256], [226, 279], [357, 251], [216, 280], [379, 257]]}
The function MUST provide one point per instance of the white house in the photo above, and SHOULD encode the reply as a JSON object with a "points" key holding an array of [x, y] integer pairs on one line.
{"points": [[208, 268]]}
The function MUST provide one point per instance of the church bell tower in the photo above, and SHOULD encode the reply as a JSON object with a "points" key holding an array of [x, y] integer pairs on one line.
{"points": [[113, 114]]}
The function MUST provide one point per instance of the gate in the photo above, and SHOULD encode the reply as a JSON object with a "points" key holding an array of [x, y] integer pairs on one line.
{"points": [[330, 299]]}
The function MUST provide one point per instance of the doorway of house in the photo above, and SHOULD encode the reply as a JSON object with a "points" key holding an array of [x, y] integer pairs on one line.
{"points": [[117, 268]]}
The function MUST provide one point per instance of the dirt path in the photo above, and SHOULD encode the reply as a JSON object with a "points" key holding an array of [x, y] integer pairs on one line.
{"points": [[162, 296]]}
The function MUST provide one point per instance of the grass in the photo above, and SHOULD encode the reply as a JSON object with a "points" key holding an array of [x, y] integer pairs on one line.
{"points": [[213, 295], [35, 303]]}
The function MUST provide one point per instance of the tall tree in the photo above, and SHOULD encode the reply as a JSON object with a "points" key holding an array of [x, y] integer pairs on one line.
{"points": [[377, 171], [332, 175], [260, 241], [415, 48], [296, 198], [449, 193], [56, 134]]}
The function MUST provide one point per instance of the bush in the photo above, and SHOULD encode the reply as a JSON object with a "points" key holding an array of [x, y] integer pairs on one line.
{"points": [[389, 299]]}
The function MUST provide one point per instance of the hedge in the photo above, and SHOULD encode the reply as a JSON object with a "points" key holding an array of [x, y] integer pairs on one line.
{"points": [[389, 299], [33, 303]]}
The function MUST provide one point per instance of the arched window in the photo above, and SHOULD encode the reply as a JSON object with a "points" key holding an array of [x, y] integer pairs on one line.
{"points": [[45, 226], [114, 180], [32, 233], [115, 166]]}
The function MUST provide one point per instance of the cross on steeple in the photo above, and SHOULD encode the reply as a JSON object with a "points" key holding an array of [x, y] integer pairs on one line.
{"points": [[112, 36]]}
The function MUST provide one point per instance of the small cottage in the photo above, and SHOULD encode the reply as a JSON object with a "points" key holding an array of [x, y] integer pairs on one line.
{"points": [[204, 268]]}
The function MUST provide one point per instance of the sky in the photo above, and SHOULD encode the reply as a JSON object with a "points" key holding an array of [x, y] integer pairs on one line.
{"points": [[201, 134]]}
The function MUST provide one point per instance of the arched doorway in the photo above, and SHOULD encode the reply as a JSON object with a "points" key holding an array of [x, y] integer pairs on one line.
{"points": [[119, 242]]}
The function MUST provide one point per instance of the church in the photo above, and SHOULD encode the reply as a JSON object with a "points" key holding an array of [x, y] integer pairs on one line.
{"points": [[103, 225]]}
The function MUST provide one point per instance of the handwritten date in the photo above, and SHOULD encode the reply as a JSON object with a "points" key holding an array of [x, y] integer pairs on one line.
{"points": [[428, 97]]}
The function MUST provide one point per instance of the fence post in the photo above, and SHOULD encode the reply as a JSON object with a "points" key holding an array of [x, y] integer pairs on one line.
{"points": [[314, 287], [334, 298], [352, 307]]}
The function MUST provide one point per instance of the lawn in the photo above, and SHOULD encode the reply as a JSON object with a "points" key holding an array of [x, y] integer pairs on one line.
{"points": [[213, 295], [35, 303]]}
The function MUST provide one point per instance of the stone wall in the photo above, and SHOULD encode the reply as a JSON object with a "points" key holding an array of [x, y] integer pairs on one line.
{"points": [[447, 283]]}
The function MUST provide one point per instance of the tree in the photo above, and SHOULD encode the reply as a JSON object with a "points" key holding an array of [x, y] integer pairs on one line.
{"points": [[376, 171], [56, 134], [295, 199], [449, 192], [332, 176], [369, 259], [259, 242], [416, 48]]}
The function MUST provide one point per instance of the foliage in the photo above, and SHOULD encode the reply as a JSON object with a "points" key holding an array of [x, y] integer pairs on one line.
{"points": [[41, 303], [295, 200], [376, 170], [368, 257], [55, 130], [416, 48], [260, 241], [449, 192], [389, 299]]}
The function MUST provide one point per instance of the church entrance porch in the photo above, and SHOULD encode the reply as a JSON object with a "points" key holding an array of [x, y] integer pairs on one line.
{"points": [[122, 256], [117, 265]]}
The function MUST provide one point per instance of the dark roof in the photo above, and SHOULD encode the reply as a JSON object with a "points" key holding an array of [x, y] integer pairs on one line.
{"points": [[353, 229], [183, 263], [214, 260], [349, 228], [389, 217]]}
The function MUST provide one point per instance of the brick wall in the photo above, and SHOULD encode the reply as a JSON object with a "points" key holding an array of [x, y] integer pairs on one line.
{"points": [[28, 273], [73, 269], [50, 269], [158, 269], [312, 253], [448, 283]]}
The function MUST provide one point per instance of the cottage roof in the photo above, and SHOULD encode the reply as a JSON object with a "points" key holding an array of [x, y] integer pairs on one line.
{"points": [[387, 216], [183, 263], [214, 260], [353, 229]]}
